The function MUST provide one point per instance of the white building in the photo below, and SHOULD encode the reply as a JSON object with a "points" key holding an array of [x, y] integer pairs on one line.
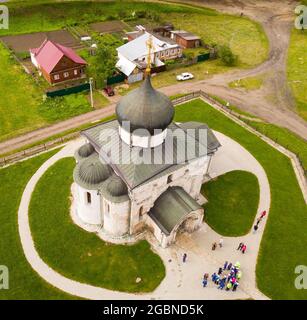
{"points": [[125, 196], [132, 56]]}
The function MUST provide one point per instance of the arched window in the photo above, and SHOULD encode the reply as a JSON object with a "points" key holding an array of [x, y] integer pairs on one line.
{"points": [[140, 211], [88, 198]]}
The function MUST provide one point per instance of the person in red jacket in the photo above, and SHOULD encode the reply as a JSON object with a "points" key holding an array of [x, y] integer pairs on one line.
{"points": [[244, 248], [263, 214]]}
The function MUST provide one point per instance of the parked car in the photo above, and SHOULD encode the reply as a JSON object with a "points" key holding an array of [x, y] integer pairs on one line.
{"points": [[185, 76], [109, 91]]}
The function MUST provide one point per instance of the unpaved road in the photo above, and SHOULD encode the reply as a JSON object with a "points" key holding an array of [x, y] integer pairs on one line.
{"points": [[273, 102]]}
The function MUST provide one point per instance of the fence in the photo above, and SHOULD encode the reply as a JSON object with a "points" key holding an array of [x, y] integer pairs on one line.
{"points": [[185, 98], [37, 149], [116, 79], [66, 91]]}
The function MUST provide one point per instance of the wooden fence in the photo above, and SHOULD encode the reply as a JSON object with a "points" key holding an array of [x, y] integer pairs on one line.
{"points": [[185, 98]]}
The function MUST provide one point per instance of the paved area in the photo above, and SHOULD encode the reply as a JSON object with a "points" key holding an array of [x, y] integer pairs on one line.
{"points": [[182, 281]]}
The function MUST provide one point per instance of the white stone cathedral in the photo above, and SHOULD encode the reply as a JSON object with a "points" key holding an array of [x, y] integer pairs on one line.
{"points": [[125, 198]]}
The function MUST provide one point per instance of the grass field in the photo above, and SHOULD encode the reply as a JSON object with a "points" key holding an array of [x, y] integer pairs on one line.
{"points": [[250, 83], [24, 282], [21, 106], [83, 256], [284, 243], [297, 70], [232, 203]]}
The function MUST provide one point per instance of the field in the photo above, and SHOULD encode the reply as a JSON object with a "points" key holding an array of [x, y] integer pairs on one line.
{"points": [[92, 260], [22, 108], [232, 203], [297, 70], [23, 42]]}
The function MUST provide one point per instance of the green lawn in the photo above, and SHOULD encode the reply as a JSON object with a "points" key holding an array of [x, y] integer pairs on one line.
{"points": [[284, 243], [78, 254], [24, 282], [232, 203], [250, 83], [284, 137], [297, 70]]}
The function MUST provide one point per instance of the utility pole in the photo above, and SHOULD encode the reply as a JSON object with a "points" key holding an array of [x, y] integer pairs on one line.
{"points": [[91, 92]]}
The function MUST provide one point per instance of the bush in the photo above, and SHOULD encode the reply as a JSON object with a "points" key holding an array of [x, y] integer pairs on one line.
{"points": [[227, 56]]}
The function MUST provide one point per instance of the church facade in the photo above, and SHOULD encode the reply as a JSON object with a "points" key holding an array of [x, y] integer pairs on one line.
{"points": [[143, 171]]}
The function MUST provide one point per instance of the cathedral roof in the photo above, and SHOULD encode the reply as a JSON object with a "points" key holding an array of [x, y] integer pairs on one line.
{"points": [[185, 148], [145, 108], [91, 172], [84, 151]]}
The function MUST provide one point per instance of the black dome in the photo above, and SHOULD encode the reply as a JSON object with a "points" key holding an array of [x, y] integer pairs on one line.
{"points": [[145, 108]]}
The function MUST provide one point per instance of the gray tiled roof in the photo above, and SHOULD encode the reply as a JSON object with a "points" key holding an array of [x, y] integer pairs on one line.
{"points": [[171, 208], [133, 174]]}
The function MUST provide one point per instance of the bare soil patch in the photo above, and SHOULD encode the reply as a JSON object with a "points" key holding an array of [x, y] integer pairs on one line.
{"points": [[23, 42]]}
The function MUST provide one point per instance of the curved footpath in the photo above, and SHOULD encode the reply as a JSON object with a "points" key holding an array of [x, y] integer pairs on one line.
{"points": [[182, 281]]}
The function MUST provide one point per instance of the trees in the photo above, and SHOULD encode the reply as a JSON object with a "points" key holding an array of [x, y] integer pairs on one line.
{"points": [[227, 56], [102, 64]]}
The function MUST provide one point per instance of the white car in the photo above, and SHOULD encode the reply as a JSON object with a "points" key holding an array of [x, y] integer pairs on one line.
{"points": [[185, 76]]}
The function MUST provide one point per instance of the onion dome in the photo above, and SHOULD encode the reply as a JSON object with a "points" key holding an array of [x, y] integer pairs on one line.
{"points": [[85, 151], [116, 186], [91, 172], [145, 108]]}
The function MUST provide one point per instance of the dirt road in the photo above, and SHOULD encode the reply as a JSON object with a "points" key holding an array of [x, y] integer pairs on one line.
{"points": [[273, 102]]}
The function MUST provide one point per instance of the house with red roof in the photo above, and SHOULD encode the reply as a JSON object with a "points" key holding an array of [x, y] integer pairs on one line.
{"points": [[57, 63]]}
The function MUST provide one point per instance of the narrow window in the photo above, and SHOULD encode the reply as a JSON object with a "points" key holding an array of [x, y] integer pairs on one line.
{"points": [[88, 198], [140, 211], [66, 74], [56, 77], [75, 72], [170, 178]]}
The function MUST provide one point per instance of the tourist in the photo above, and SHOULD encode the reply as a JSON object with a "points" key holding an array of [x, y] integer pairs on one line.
{"points": [[236, 270], [184, 257], [244, 249], [213, 277], [206, 276], [229, 277], [238, 264], [263, 214], [214, 246], [205, 282], [229, 266], [255, 228], [217, 279], [258, 221], [221, 285], [240, 246], [239, 275], [235, 286], [221, 242], [220, 271], [225, 265], [228, 286]]}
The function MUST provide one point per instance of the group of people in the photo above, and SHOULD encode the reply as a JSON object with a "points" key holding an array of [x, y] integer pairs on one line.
{"points": [[226, 277], [242, 247]]}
